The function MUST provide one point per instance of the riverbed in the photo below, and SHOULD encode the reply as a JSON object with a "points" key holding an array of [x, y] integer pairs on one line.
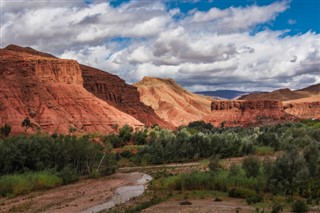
{"points": [[89, 195]]}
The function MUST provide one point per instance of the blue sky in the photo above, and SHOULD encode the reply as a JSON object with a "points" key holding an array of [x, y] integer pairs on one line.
{"points": [[301, 17], [204, 45]]}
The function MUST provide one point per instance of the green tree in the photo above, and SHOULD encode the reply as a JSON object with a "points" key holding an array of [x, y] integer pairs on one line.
{"points": [[251, 166], [5, 130], [125, 133], [139, 138], [26, 123]]}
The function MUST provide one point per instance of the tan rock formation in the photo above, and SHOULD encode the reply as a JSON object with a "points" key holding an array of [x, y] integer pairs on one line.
{"points": [[171, 102]]}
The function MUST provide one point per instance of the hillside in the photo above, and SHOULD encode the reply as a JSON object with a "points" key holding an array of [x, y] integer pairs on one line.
{"points": [[109, 88], [50, 92], [171, 102]]}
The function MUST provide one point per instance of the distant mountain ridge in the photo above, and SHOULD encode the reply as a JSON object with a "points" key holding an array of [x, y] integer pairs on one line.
{"points": [[284, 94], [224, 94]]}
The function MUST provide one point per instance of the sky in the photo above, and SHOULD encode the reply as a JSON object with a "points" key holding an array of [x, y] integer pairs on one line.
{"points": [[248, 45]]}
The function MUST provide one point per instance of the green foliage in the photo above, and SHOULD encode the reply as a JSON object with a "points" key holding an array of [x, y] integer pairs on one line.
{"points": [[235, 170], [126, 154], [251, 166], [38, 152], [139, 138], [214, 164], [5, 131], [25, 183], [68, 175], [26, 123], [125, 133], [241, 193], [276, 208], [114, 140], [300, 206]]}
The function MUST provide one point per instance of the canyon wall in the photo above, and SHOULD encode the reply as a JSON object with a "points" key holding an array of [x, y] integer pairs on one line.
{"points": [[247, 113]]}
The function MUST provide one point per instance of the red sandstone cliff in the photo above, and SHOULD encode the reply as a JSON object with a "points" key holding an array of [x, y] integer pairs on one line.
{"points": [[50, 92], [111, 89], [247, 113]]}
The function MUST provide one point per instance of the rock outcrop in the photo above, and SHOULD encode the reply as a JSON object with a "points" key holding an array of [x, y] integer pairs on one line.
{"points": [[303, 103], [116, 92], [247, 113], [304, 110], [50, 92], [171, 102]]}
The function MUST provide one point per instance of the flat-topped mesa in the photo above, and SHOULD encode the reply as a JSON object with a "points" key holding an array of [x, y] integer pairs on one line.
{"points": [[39, 68], [246, 105], [247, 113]]}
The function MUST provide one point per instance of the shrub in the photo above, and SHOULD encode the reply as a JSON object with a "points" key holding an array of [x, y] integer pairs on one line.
{"points": [[255, 199], [300, 206], [251, 166], [214, 164], [68, 175], [241, 193], [126, 154], [276, 208]]}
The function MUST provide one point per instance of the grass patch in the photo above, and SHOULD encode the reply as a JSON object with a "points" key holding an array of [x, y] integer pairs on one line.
{"points": [[17, 184], [263, 150]]}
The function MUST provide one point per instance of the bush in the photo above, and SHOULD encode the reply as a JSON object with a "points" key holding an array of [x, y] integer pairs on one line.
{"points": [[300, 206], [276, 208], [241, 193], [68, 175], [255, 199], [126, 154], [251, 166]]}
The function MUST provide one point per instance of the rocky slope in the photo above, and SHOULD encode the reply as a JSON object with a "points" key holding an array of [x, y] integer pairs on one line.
{"points": [[247, 113], [50, 92], [171, 102], [116, 92]]}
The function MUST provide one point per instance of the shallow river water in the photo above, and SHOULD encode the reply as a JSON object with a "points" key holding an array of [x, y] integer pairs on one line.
{"points": [[123, 194]]}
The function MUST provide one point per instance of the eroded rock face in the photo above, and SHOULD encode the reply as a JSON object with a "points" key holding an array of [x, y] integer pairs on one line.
{"points": [[116, 92], [303, 110], [50, 92], [247, 113]]}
